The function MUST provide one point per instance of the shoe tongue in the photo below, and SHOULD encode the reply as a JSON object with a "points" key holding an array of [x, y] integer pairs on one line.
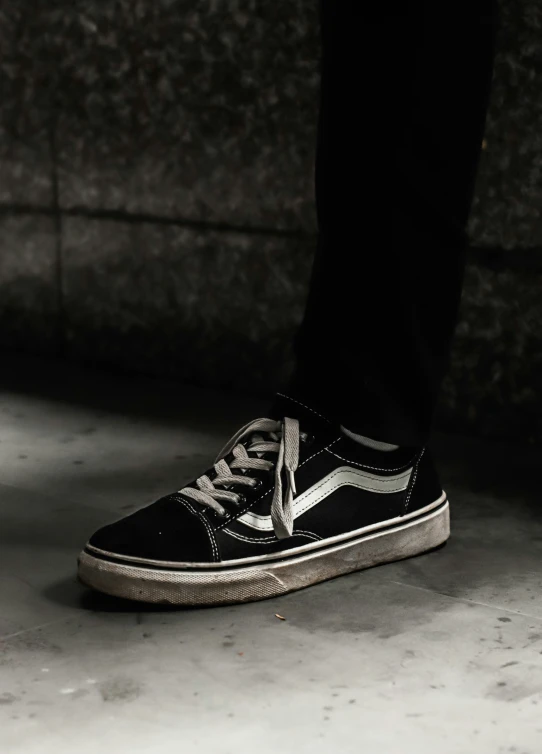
{"points": [[256, 438], [310, 419]]}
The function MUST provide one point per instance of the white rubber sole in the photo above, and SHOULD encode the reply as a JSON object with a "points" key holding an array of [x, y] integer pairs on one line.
{"points": [[270, 579]]}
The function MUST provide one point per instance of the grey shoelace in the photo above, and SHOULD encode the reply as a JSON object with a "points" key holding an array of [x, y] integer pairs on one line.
{"points": [[283, 440]]}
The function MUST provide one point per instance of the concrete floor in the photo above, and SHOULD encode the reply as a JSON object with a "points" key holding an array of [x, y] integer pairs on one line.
{"points": [[442, 653]]}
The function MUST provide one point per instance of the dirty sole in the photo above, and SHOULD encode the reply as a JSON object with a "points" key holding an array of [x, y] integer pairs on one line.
{"points": [[227, 583]]}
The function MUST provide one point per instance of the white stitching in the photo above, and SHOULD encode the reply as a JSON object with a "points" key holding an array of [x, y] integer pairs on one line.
{"points": [[365, 466], [322, 497], [323, 482], [413, 481], [238, 514], [262, 540], [265, 540], [318, 453], [308, 534], [283, 395], [202, 518]]}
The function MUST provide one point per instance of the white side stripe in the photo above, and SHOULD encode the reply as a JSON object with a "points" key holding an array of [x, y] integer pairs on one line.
{"points": [[344, 475]]}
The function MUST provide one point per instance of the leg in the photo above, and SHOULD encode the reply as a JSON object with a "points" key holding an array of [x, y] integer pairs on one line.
{"points": [[294, 500], [401, 124]]}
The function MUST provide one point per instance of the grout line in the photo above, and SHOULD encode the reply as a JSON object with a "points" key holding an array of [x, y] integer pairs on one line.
{"points": [[465, 599], [57, 216], [35, 628], [520, 258], [115, 215]]}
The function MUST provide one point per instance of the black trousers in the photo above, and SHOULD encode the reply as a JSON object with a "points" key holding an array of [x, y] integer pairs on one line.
{"points": [[403, 106]]}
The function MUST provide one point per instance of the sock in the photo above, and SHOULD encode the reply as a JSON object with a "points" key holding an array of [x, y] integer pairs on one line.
{"points": [[368, 442]]}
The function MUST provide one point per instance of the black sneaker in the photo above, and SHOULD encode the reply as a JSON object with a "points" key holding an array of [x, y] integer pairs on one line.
{"points": [[289, 502]]}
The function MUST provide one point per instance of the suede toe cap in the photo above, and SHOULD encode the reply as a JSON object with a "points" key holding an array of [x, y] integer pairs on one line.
{"points": [[167, 530]]}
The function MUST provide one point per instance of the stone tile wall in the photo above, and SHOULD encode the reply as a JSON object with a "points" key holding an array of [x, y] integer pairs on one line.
{"points": [[157, 206]]}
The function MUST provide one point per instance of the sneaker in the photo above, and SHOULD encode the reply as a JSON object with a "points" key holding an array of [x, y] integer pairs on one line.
{"points": [[289, 502]]}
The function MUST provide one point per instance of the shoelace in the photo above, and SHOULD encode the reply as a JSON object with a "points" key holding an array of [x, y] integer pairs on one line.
{"points": [[284, 440]]}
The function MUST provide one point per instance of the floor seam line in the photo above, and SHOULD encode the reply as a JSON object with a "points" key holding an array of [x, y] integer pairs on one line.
{"points": [[465, 599], [7, 637]]}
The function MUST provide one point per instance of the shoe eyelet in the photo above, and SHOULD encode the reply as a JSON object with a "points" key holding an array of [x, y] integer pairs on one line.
{"points": [[257, 485], [309, 439], [241, 499], [222, 515]]}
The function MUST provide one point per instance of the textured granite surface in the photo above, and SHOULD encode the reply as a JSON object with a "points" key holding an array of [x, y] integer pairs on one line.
{"points": [[212, 308], [25, 171], [508, 202], [206, 113], [221, 309], [203, 111], [28, 283], [494, 385], [26, 110]]}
